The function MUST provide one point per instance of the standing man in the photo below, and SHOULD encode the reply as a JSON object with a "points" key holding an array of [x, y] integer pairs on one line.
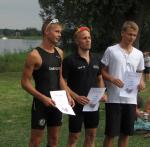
{"points": [[147, 66], [81, 70], [121, 111], [44, 64]]}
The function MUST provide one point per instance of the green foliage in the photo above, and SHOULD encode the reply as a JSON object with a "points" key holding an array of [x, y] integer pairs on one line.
{"points": [[52, 8], [12, 62], [105, 17], [145, 35]]}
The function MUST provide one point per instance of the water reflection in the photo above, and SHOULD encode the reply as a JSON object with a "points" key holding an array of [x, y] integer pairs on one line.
{"points": [[17, 45]]}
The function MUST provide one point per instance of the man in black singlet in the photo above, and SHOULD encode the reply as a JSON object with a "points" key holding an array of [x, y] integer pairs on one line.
{"points": [[44, 64], [81, 70]]}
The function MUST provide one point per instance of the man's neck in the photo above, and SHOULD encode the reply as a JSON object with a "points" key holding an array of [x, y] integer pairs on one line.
{"points": [[47, 46], [84, 54], [127, 47]]}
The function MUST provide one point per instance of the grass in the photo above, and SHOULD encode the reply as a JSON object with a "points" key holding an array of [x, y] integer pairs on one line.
{"points": [[15, 107], [12, 62]]}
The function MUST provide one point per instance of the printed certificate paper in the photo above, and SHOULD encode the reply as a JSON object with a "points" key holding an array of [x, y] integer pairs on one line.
{"points": [[95, 94], [61, 101], [131, 81]]}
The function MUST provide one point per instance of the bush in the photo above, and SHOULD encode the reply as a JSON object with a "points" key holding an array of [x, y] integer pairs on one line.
{"points": [[12, 62]]}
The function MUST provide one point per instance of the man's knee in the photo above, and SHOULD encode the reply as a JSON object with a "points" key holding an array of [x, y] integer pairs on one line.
{"points": [[73, 137], [90, 136], [52, 141], [34, 142], [36, 138]]}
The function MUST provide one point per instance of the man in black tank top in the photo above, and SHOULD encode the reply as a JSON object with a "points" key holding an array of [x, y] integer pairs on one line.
{"points": [[82, 72], [44, 64]]}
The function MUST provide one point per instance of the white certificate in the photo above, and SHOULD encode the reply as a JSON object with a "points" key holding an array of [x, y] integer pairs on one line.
{"points": [[131, 82], [61, 101], [94, 95]]}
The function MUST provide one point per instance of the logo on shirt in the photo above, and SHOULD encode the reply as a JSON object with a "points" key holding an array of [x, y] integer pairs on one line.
{"points": [[95, 66], [42, 122], [81, 67], [54, 68]]}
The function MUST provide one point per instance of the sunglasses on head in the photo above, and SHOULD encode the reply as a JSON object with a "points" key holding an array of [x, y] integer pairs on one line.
{"points": [[83, 28], [54, 21]]}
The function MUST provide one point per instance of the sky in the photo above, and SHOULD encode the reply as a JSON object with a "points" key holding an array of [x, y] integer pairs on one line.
{"points": [[19, 14]]}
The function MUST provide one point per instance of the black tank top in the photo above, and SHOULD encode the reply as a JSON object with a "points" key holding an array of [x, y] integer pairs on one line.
{"points": [[47, 76]]}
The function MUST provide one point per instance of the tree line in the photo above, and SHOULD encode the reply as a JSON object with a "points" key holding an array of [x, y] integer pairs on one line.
{"points": [[105, 17], [19, 33]]}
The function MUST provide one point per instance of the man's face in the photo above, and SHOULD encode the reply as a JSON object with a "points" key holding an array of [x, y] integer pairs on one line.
{"points": [[53, 33], [129, 36], [83, 40]]}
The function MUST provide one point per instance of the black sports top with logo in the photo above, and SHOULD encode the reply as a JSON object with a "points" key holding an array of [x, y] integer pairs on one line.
{"points": [[47, 76], [80, 75]]}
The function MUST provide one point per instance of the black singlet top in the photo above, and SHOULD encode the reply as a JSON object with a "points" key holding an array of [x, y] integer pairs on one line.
{"points": [[47, 76]]}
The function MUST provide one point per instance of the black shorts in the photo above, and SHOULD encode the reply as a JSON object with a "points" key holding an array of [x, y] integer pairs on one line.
{"points": [[89, 119], [147, 70], [42, 116], [120, 119]]}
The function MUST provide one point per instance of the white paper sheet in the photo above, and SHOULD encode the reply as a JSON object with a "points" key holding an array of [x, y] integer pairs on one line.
{"points": [[61, 101], [131, 81], [95, 94]]}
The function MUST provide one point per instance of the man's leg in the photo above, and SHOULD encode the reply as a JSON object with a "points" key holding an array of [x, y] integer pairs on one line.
{"points": [[127, 124], [72, 139], [75, 125], [53, 135], [54, 121], [36, 137], [91, 121], [113, 120], [108, 141], [123, 141], [90, 135]]}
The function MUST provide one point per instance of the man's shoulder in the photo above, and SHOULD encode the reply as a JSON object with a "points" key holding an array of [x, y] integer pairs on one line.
{"points": [[34, 53], [69, 57], [96, 55], [33, 57], [60, 52], [59, 49], [112, 47], [138, 51]]}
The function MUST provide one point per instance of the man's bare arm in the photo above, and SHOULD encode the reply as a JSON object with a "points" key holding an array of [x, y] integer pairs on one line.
{"points": [[26, 82]]}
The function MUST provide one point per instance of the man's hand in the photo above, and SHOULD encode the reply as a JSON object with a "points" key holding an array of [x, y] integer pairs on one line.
{"points": [[71, 102], [141, 86], [104, 98], [139, 113], [48, 102], [82, 100], [117, 82]]}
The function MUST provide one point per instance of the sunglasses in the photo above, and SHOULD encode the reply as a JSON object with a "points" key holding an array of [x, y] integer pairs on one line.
{"points": [[80, 29], [54, 21]]}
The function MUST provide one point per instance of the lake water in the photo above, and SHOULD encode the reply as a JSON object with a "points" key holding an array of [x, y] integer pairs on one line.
{"points": [[17, 45]]}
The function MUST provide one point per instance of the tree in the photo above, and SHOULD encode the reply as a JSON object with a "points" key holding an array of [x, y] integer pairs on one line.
{"points": [[105, 17]]}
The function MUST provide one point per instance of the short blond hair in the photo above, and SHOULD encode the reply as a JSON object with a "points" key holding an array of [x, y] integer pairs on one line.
{"points": [[129, 24]]}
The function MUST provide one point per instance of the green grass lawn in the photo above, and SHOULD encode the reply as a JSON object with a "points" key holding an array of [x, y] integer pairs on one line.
{"points": [[15, 107]]}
